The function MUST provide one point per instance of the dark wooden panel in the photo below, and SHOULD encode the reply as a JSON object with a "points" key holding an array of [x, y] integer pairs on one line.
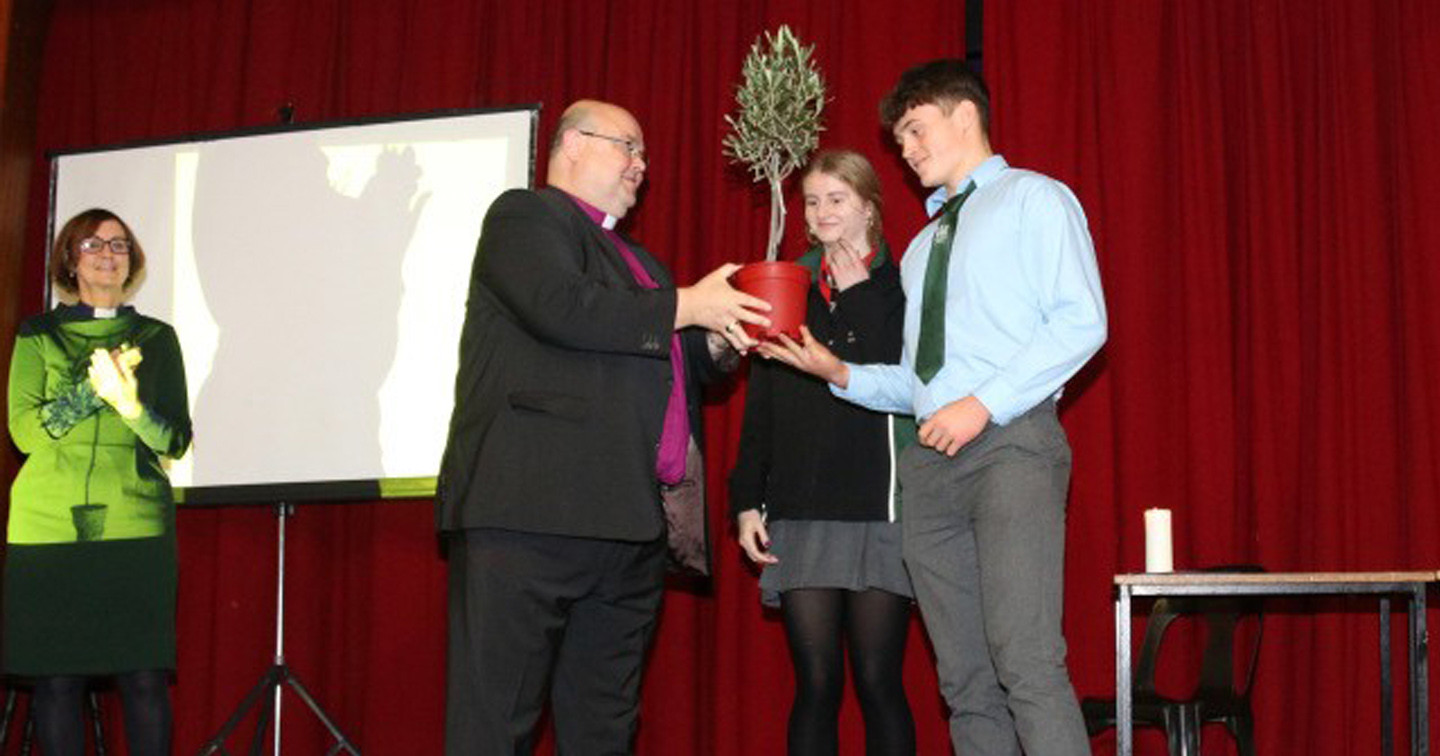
{"points": [[25, 23]]}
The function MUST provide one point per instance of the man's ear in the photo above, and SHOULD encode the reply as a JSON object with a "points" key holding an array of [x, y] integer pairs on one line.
{"points": [[570, 144], [965, 115]]}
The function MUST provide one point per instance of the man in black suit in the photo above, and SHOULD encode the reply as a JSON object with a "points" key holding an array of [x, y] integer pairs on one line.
{"points": [[574, 404]]}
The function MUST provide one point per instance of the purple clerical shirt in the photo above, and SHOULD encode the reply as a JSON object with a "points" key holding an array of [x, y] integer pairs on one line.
{"points": [[675, 437]]}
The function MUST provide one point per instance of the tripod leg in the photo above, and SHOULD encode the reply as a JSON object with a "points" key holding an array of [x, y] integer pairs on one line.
{"points": [[93, 699], [28, 738], [267, 683], [341, 742], [257, 743], [10, 696], [278, 674]]}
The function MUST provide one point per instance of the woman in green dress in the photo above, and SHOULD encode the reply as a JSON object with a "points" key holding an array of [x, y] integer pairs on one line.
{"points": [[96, 397]]}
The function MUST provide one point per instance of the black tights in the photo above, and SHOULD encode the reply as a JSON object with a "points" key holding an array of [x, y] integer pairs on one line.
{"points": [[60, 728], [874, 624]]}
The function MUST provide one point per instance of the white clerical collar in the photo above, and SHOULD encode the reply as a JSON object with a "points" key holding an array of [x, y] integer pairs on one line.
{"points": [[609, 223], [106, 312]]}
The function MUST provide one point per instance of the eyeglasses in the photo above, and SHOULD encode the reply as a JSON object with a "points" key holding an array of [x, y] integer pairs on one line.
{"points": [[631, 148], [93, 244]]}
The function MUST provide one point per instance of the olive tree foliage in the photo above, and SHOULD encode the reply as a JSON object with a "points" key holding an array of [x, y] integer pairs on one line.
{"points": [[777, 123]]}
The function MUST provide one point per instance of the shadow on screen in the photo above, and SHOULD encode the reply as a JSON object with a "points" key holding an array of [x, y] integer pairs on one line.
{"points": [[304, 284]]}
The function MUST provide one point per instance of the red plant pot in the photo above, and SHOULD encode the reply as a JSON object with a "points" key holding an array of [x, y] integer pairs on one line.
{"points": [[785, 286]]}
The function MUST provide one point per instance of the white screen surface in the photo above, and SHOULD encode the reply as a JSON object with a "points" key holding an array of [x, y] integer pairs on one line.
{"points": [[317, 281]]}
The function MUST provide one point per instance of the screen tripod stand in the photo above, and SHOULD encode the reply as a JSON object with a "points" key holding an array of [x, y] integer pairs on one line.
{"points": [[277, 676]]}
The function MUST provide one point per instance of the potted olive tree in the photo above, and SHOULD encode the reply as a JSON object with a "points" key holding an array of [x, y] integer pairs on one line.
{"points": [[775, 127]]}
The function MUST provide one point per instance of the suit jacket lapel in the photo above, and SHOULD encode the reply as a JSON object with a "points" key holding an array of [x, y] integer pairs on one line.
{"points": [[648, 261], [610, 253], [595, 237]]}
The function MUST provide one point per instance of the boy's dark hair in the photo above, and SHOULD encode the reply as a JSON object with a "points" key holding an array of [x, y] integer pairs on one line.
{"points": [[943, 83]]}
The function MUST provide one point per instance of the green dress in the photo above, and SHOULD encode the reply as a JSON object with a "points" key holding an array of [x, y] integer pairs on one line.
{"points": [[89, 585]]}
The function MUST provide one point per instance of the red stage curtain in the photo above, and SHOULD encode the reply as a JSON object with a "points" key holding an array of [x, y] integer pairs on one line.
{"points": [[365, 627], [1253, 173]]}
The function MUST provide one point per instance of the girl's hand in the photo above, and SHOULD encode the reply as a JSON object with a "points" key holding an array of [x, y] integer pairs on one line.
{"points": [[754, 539]]}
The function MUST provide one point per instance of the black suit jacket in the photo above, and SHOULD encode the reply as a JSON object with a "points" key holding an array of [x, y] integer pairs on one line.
{"points": [[563, 380]]}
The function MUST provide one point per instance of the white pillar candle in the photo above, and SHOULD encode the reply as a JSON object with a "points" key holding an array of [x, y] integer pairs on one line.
{"points": [[1159, 553]]}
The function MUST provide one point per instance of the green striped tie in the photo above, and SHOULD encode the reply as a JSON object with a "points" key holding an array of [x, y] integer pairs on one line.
{"points": [[930, 352]]}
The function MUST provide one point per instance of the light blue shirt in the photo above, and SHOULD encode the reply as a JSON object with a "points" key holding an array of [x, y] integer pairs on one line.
{"points": [[1024, 309]]}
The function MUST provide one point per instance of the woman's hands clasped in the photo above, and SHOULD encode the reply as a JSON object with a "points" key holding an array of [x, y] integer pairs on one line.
{"points": [[112, 375]]}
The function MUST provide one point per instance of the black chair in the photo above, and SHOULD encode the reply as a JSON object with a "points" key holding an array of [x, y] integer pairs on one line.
{"points": [[14, 689], [1223, 692]]}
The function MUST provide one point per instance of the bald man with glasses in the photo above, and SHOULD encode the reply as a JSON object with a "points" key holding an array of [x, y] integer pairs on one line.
{"points": [[576, 401]]}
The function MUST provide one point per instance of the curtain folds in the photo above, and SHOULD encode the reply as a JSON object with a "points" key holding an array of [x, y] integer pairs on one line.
{"points": [[1255, 175]]}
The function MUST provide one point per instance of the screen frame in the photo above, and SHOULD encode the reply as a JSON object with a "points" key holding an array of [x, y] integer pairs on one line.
{"points": [[317, 491]]}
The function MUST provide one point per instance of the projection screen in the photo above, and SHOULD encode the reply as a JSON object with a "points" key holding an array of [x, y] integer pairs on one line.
{"points": [[317, 280]]}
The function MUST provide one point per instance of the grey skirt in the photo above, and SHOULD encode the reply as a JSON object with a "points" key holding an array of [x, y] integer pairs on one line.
{"points": [[853, 556]]}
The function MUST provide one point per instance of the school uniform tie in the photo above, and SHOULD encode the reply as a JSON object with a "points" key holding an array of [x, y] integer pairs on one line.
{"points": [[930, 351]]}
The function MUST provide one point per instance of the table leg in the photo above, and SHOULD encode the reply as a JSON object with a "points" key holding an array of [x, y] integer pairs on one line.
{"points": [[1387, 692], [1419, 675], [1124, 723]]}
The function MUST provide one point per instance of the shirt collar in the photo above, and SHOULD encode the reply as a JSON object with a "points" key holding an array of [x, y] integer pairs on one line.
{"points": [[982, 175], [82, 311], [604, 219]]}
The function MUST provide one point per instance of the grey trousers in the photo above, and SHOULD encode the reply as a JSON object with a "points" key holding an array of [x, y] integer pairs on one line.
{"points": [[985, 546]]}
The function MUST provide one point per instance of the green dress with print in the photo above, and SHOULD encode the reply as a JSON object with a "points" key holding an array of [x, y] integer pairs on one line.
{"points": [[90, 567]]}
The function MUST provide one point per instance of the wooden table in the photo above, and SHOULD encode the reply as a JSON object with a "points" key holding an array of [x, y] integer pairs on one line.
{"points": [[1409, 585]]}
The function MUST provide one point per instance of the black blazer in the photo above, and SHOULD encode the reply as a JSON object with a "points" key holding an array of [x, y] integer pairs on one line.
{"points": [[563, 380], [806, 454]]}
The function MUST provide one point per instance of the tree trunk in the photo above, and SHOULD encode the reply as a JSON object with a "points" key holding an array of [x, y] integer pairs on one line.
{"points": [[777, 211]]}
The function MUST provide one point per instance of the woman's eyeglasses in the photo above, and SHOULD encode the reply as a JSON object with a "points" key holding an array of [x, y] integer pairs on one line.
{"points": [[92, 245]]}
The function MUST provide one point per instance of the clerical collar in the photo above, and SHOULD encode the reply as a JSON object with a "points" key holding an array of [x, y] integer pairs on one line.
{"points": [[84, 311]]}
